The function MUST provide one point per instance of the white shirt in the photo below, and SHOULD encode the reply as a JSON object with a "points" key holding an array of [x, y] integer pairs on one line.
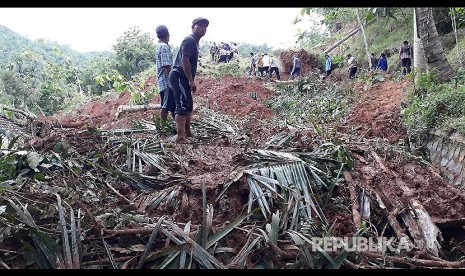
{"points": [[266, 61]]}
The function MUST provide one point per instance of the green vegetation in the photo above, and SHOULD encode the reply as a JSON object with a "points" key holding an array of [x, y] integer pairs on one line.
{"points": [[309, 101], [435, 106]]}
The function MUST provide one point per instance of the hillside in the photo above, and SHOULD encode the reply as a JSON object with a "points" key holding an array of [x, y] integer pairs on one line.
{"points": [[260, 187], [12, 43]]}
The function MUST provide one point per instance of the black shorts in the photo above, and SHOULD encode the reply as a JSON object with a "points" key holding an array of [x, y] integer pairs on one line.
{"points": [[352, 72], [167, 100], [328, 72], [182, 93]]}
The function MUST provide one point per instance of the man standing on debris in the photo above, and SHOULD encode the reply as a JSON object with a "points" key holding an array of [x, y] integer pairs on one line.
{"points": [[404, 56], [295, 72], [164, 61], [352, 66], [182, 78]]}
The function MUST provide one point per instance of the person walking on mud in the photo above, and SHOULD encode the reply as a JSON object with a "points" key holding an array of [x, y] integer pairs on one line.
{"points": [[182, 78], [352, 66], [253, 64], [164, 61], [404, 55], [328, 63], [274, 68], [295, 72]]}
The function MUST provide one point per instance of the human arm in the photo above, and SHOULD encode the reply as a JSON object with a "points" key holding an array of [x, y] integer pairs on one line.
{"points": [[186, 65], [165, 58]]}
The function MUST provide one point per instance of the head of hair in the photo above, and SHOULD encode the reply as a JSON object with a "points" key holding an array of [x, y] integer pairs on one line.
{"points": [[162, 31], [383, 55], [405, 42]]}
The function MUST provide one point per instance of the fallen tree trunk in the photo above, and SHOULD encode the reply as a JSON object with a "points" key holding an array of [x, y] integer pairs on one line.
{"points": [[28, 115], [353, 198], [417, 262], [337, 43], [135, 108], [419, 223]]}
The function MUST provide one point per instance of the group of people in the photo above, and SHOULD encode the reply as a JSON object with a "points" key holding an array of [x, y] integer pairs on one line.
{"points": [[264, 64], [223, 52], [380, 63], [267, 65], [176, 78]]}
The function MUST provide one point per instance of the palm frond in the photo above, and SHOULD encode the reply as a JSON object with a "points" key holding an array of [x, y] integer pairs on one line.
{"points": [[200, 254], [150, 242]]}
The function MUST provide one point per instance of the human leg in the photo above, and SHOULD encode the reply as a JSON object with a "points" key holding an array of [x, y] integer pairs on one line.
{"points": [[188, 125], [183, 105], [167, 103], [408, 64]]}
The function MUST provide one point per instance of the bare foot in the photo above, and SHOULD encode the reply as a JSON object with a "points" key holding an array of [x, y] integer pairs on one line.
{"points": [[183, 141]]}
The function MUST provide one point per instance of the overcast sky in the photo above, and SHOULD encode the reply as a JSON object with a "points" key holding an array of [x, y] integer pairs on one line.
{"points": [[97, 29]]}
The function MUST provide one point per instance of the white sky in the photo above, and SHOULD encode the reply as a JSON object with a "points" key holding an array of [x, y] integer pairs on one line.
{"points": [[97, 29]]}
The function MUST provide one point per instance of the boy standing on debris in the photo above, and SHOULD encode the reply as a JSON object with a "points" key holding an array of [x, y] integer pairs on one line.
{"points": [[164, 61], [182, 78]]}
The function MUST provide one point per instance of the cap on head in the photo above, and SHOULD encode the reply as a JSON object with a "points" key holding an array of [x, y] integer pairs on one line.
{"points": [[200, 19], [162, 31]]}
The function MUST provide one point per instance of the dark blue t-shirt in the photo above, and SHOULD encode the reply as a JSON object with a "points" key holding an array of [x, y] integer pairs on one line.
{"points": [[188, 47]]}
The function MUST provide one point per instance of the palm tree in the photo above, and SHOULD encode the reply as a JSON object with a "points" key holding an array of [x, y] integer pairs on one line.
{"points": [[434, 51], [419, 59]]}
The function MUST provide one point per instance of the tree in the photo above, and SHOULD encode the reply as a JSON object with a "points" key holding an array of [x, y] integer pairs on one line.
{"points": [[135, 52], [419, 59], [434, 51], [364, 37]]}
